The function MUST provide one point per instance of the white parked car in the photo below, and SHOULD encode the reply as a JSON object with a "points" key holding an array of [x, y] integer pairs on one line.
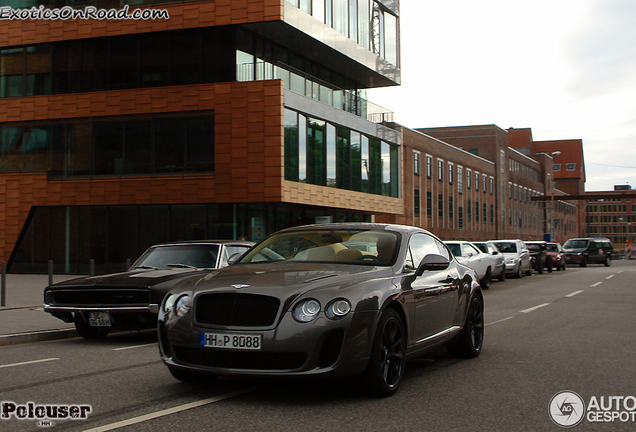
{"points": [[467, 254], [517, 256], [489, 248]]}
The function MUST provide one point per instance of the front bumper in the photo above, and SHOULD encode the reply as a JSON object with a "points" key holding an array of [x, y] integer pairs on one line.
{"points": [[322, 347]]}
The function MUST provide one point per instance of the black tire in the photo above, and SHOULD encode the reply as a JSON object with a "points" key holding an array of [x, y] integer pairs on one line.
{"points": [[608, 261], [583, 262], [502, 275], [468, 343], [540, 267], [486, 280], [529, 271], [386, 364], [564, 266], [549, 265], [190, 377], [88, 332], [518, 273]]}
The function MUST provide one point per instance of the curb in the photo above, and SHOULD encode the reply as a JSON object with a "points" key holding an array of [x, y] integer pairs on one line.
{"points": [[38, 336]]}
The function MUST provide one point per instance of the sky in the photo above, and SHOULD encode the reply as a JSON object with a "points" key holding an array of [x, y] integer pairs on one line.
{"points": [[564, 68]]}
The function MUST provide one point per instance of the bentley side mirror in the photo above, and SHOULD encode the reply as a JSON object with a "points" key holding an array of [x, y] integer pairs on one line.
{"points": [[432, 262]]}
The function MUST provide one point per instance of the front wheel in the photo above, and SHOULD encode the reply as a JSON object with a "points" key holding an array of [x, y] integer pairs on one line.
{"points": [[468, 343], [386, 365], [608, 261], [502, 275], [486, 280]]}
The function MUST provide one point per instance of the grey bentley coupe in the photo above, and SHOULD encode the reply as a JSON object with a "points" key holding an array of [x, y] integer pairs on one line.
{"points": [[325, 300]]}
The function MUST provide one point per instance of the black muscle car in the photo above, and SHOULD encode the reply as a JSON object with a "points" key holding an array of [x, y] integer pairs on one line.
{"points": [[324, 300], [130, 300]]}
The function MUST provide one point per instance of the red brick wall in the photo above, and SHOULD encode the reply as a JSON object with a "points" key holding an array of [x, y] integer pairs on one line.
{"points": [[187, 15]]}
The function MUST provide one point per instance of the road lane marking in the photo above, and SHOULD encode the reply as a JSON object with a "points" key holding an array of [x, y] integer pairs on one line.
{"points": [[596, 284], [574, 293], [168, 411], [28, 362], [501, 320], [610, 276], [534, 308], [134, 346]]}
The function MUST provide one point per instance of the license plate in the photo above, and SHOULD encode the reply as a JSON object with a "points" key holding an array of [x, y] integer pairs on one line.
{"points": [[99, 319], [234, 341]]}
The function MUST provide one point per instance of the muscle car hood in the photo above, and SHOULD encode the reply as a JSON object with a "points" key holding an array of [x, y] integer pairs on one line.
{"points": [[282, 279], [127, 279]]}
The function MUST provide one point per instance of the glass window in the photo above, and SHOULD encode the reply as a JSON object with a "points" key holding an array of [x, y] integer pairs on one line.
{"points": [[138, 141], [94, 64], [123, 62], [169, 145], [416, 202], [451, 170], [12, 72], [341, 16], [316, 148], [356, 161], [353, 20], [185, 58], [420, 245], [416, 163], [108, 139], [386, 168], [429, 204], [391, 38], [440, 169], [318, 10], [365, 164], [331, 156], [375, 166], [155, 60], [343, 159], [302, 149], [440, 205], [67, 67], [556, 167], [38, 70], [570, 167], [364, 22], [291, 145], [429, 166], [199, 144]]}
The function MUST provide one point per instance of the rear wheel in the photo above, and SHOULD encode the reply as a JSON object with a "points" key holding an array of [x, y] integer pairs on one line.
{"points": [[518, 273], [502, 275], [88, 332], [469, 341], [540, 266], [563, 266], [608, 261], [386, 365], [584, 262], [549, 264]]}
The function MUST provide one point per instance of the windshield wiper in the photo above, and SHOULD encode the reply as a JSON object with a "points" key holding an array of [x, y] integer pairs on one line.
{"points": [[181, 266], [146, 267]]}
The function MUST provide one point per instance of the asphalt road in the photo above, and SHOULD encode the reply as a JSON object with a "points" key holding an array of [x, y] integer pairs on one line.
{"points": [[572, 330]]}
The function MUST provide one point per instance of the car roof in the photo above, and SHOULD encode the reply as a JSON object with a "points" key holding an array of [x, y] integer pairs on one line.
{"points": [[206, 242], [359, 225]]}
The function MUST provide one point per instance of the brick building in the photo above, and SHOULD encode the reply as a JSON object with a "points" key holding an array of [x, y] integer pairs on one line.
{"points": [[230, 119]]}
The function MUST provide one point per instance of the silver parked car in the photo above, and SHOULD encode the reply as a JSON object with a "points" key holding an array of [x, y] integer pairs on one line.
{"points": [[517, 256], [467, 254], [489, 248]]}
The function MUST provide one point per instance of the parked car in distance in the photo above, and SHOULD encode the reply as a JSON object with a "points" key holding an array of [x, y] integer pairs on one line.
{"points": [[517, 256], [469, 255], [555, 250], [130, 300], [539, 256], [324, 300], [489, 248], [588, 250]]}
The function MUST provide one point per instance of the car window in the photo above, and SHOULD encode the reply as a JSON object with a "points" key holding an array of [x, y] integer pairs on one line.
{"points": [[575, 244], [469, 250], [482, 247], [455, 249], [421, 245], [552, 248], [492, 249], [165, 257], [443, 250], [507, 247]]}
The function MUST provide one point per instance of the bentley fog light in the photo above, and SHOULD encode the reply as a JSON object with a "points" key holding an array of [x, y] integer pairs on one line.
{"points": [[338, 309], [168, 302], [182, 305], [306, 310]]}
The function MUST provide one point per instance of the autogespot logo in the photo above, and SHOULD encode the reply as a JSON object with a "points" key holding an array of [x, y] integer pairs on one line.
{"points": [[567, 409]]}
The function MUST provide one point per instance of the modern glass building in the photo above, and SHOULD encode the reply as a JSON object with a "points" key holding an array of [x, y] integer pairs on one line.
{"points": [[229, 119]]}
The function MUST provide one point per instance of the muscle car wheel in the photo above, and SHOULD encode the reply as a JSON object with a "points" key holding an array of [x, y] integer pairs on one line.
{"points": [[191, 377], [486, 280], [468, 342], [386, 365], [88, 332]]}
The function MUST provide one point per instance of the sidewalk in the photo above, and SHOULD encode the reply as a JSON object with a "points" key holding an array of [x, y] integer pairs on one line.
{"points": [[22, 319]]}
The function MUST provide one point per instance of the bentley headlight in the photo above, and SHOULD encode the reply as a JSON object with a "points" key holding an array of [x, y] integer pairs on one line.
{"points": [[168, 302], [306, 310], [182, 305], [338, 309]]}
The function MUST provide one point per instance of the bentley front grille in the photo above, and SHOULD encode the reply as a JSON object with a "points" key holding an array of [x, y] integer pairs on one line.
{"points": [[236, 309]]}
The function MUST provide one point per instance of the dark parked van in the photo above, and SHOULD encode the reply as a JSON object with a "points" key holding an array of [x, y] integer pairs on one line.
{"points": [[582, 251]]}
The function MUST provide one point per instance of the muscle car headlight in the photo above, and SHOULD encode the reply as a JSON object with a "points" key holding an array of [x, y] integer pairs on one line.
{"points": [[337, 309], [182, 305], [168, 302], [306, 310]]}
